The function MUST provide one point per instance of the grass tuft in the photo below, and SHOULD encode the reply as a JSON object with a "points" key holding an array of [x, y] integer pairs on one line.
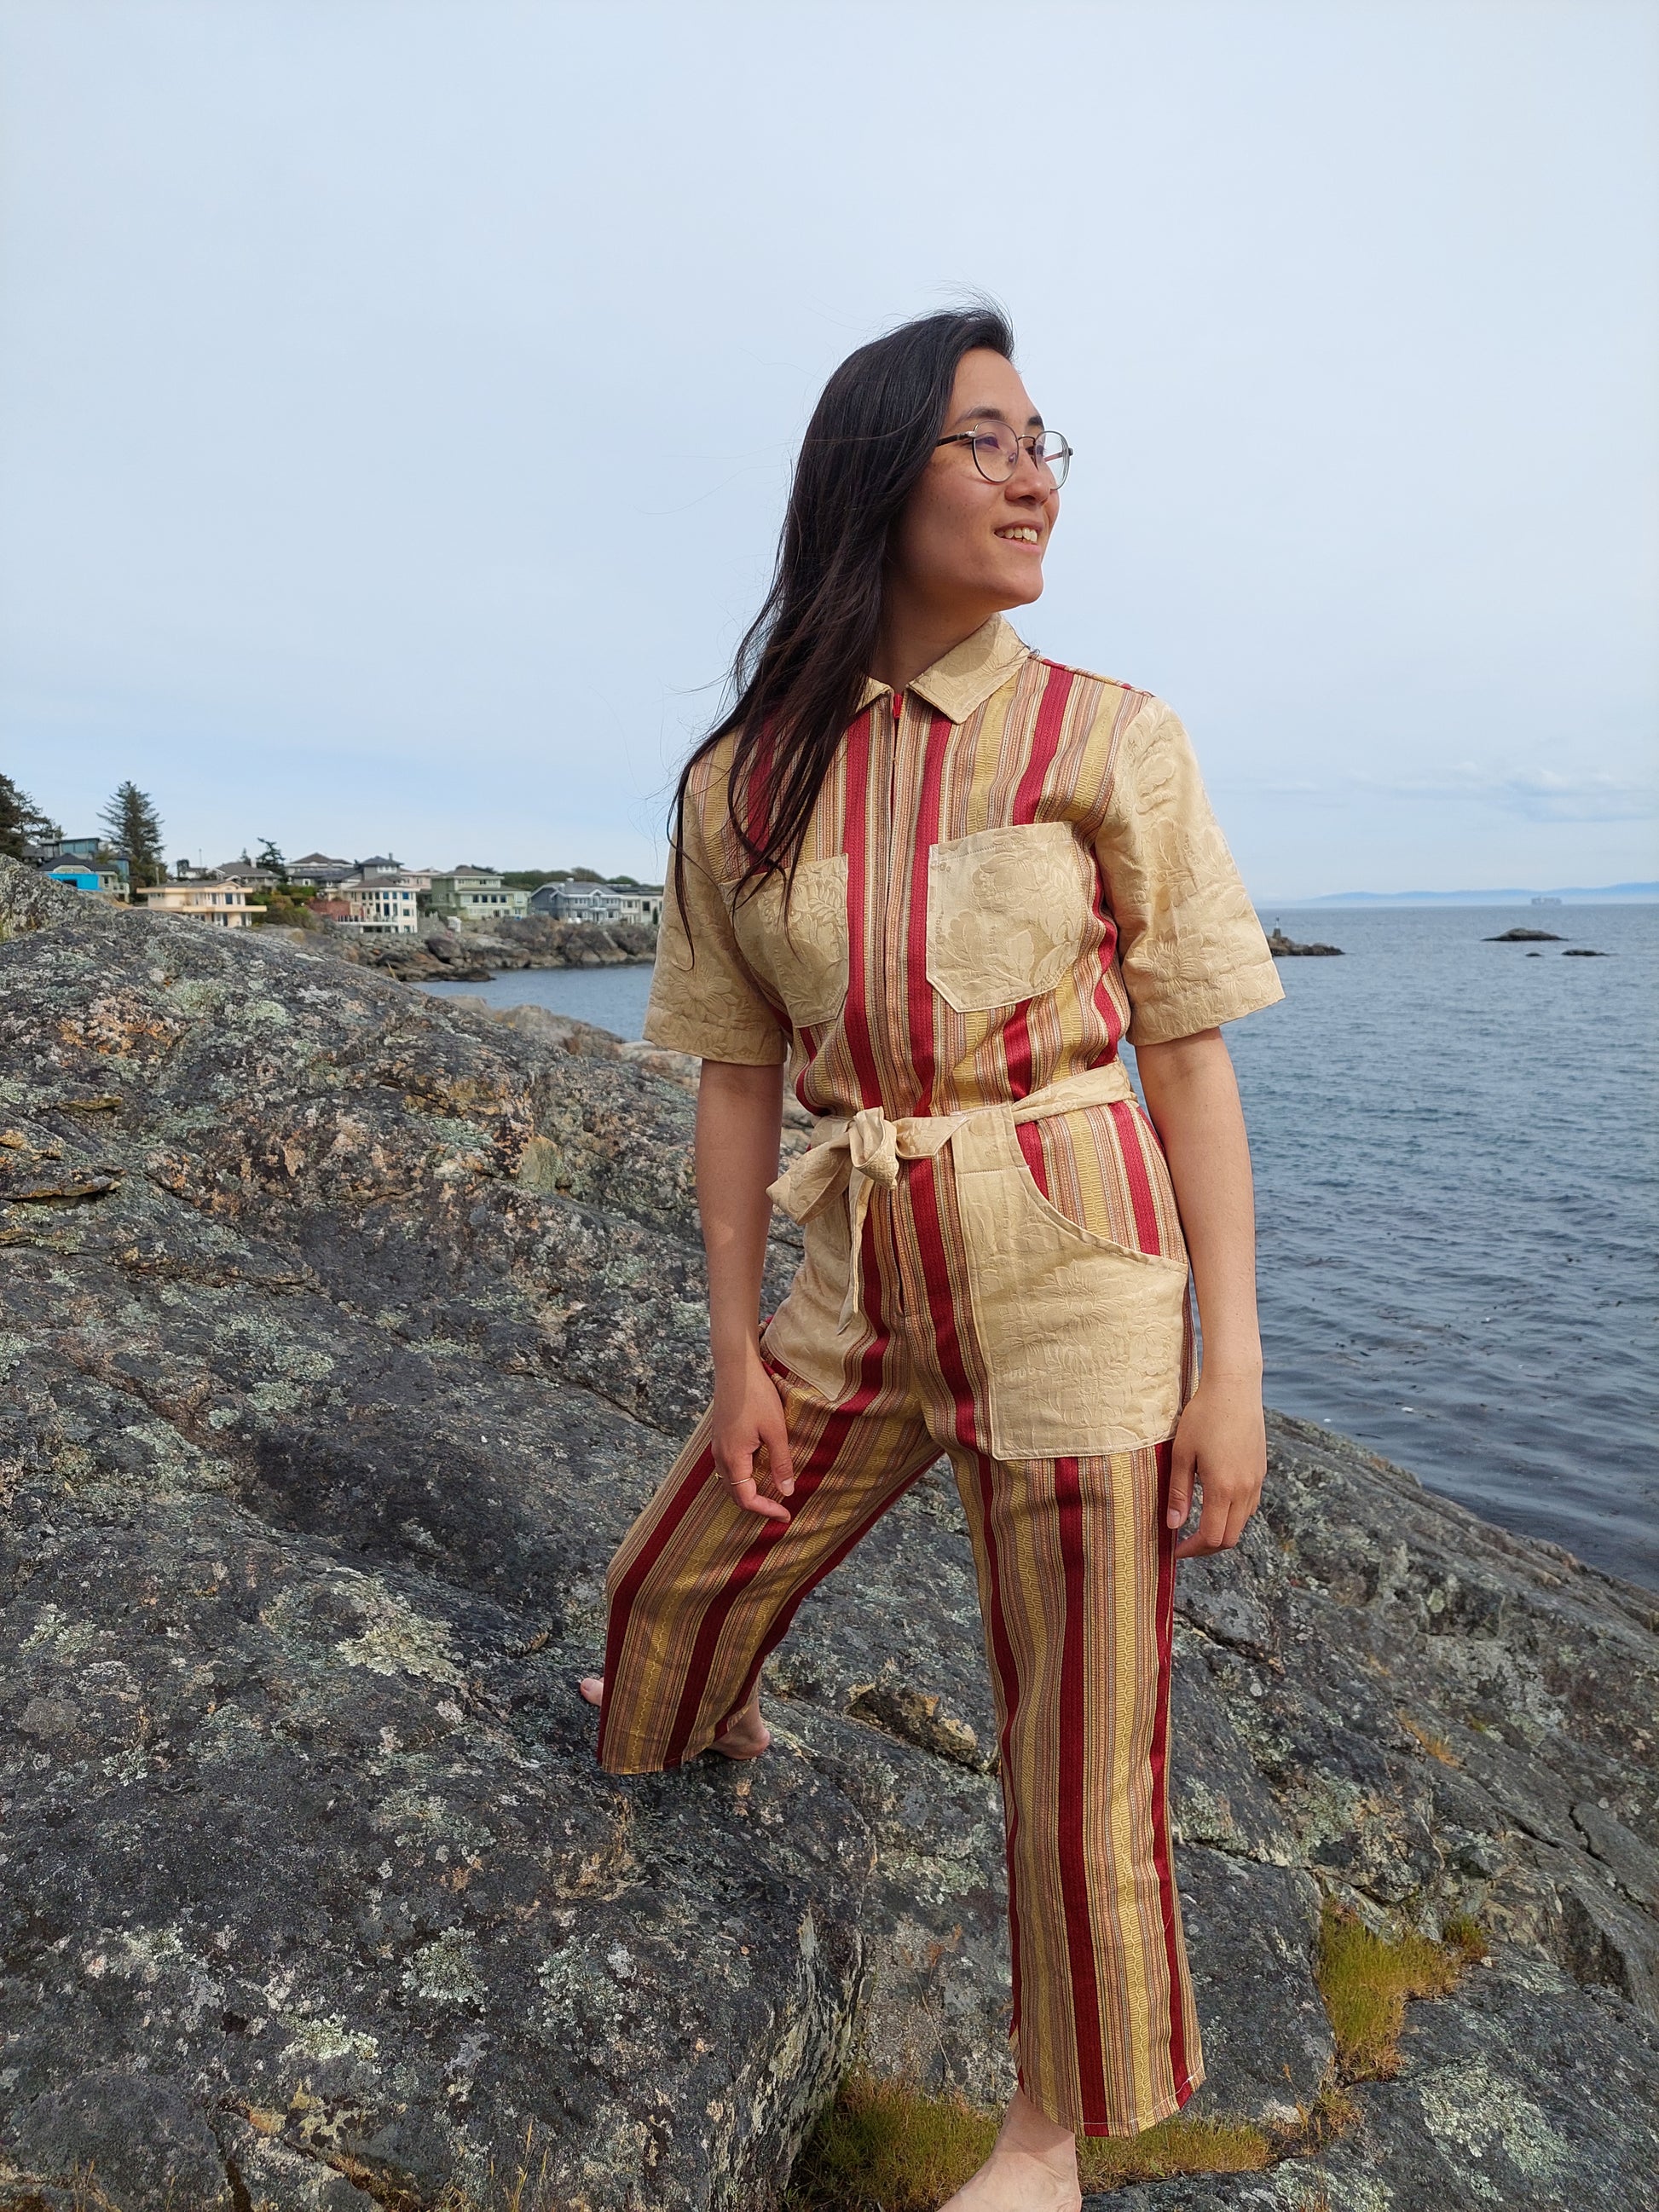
{"points": [[1365, 1981], [1436, 1745], [887, 2146]]}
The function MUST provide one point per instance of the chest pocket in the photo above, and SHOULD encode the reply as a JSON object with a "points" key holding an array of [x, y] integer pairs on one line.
{"points": [[1007, 910], [806, 961]]}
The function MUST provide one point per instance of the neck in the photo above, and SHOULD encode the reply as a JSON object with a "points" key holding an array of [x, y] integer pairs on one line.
{"points": [[914, 635]]}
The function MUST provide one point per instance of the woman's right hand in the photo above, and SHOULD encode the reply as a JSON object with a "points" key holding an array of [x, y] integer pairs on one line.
{"points": [[751, 1445]]}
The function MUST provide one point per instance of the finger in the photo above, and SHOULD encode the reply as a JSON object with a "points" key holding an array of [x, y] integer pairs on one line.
{"points": [[1212, 1526], [1183, 1463], [1240, 1513], [742, 1487], [774, 1434]]}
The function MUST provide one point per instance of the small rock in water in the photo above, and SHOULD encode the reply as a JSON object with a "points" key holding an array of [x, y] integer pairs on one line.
{"points": [[1526, 937], [1283, 948], [1584, 952]]}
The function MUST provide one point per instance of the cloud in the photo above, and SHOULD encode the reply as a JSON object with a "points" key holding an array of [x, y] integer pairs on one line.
{"points": [[1534, 794]]}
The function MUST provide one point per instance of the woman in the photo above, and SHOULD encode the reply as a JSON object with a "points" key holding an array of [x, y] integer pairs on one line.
{"points": [[942, 877]]}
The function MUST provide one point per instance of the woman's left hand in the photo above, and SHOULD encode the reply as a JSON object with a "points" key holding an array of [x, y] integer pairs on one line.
{"points": [[1221, 1444]]}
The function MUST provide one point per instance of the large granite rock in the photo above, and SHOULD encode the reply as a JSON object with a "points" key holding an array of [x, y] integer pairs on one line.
{"points": [[342, 1334]]}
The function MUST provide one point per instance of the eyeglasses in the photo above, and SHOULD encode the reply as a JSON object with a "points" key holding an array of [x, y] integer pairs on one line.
{"points": [[995, 449]]}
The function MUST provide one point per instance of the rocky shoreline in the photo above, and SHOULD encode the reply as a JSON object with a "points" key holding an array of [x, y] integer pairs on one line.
{"points": [[473, 955], [343, 1330]]}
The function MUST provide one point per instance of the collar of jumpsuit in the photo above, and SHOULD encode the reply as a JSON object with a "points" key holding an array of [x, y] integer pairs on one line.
{"points": [[960, 683]]}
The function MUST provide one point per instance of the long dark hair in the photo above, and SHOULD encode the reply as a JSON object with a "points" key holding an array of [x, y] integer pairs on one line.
{"points": [[796, 680]]}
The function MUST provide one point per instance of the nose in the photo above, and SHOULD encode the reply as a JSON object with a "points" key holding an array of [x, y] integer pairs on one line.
{"points": [[1032, 478]]}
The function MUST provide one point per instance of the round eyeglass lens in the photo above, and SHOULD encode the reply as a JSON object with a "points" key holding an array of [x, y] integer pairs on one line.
{"points": [[1055, 455], [996, 451]]}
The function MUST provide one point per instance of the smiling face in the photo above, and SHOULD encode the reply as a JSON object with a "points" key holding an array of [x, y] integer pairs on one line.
{"points": [[964, 549]]}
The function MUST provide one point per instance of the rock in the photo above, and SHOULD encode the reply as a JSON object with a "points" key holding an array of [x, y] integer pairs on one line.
{"points": [[1525, 937], [146, 2140], [1519, 2093], [321, 1419], [1283, 948], [1252, 1931], [1584, 952]]}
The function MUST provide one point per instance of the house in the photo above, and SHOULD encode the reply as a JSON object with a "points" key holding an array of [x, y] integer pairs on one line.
{"points": [[599, 903], [243, 871], [639, 903], [319, 870], [225, 905], [73, 859], [382, 866], [471, 894], [76, 848], [383, 905], [82, 876]]}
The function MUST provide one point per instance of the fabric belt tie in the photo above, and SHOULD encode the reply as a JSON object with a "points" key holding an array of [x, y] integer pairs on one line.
{"points": [[859, 1153]]}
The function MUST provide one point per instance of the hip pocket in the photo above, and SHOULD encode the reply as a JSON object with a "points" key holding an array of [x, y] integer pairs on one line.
{"points": [[1007, 913], [1081, 1336]]}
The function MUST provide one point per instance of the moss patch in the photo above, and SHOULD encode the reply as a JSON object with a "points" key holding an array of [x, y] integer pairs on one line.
{"points": [[1365, 1981], [890, 2146]]}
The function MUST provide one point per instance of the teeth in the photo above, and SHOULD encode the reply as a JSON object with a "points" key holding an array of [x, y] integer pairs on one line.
{"points": [[1025, 531]]}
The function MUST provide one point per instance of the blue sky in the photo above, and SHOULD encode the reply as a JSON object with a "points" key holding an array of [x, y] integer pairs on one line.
{"points": [[396, 398]]}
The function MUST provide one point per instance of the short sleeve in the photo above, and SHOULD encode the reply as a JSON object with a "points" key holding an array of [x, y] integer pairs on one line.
{"points": [[705, 999], [1191, 949]]}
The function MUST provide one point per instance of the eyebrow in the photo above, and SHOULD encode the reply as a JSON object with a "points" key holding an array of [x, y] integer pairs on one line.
{"points": [[994, 414]]}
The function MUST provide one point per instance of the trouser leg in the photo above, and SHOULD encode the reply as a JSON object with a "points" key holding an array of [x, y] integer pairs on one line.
{"points": [[701, 1591], [1076, 1579]]}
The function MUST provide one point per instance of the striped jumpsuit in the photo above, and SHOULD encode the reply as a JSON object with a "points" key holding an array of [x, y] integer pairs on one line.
{"points": [[1006, 870]]}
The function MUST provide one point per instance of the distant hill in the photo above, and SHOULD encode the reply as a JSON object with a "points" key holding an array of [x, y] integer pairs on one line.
{"points": [[1574, 895]]}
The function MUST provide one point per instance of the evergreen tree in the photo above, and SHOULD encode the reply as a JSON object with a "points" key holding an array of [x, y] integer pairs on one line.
{"points": [[272, 858], [21, 822], [135, 832]]}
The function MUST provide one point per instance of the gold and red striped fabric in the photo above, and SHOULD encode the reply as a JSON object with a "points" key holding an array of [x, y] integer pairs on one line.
{"points": [[1076, 1576], [1006, 873]]}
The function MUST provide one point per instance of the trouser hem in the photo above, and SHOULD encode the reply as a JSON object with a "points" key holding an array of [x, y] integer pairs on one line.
{"points": [[1135, 2124], [633, 1763]]}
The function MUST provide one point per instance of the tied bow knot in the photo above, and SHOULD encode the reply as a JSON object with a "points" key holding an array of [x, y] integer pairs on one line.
{"points": [[857, 1153]]}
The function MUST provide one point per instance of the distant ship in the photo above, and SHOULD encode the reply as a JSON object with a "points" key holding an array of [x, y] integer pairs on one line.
{"points": [[1546, 901]]}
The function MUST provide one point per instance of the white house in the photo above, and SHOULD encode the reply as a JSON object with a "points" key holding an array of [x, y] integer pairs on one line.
{"points": [[225, 905], [383, 905], [476, 895]]}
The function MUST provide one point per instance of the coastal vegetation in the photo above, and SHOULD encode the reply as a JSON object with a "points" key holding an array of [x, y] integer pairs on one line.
{"points": [[134, 830], [22, 823]]}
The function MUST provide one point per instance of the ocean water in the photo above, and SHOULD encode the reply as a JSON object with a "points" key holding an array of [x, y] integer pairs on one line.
{"points": [[1456, 1153]]}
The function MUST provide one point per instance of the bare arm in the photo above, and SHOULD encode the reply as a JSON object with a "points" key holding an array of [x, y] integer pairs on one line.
{"points": [[739, 1119], [1192, 1098]]}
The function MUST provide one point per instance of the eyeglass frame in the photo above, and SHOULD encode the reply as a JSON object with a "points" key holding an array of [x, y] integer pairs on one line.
{"points": [[1028, 440]]}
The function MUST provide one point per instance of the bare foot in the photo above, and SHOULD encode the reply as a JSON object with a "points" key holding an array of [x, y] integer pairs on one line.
{"points": [[746, 1738], [1032, 2167]]}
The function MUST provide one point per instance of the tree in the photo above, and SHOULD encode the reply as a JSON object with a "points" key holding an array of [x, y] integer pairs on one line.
{"points": [[135, 831], [21, 822], [272, 858]]}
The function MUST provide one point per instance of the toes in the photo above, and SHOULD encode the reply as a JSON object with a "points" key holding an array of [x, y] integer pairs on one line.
{"points": [[592, 1688]]}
